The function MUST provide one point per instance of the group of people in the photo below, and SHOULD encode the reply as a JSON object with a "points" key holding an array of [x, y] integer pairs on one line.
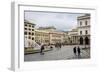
{"points": [[77, 51]]}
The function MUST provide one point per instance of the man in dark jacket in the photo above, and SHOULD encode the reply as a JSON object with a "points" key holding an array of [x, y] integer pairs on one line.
{"points": [[79, 51], [41, 51], [74, 50]]}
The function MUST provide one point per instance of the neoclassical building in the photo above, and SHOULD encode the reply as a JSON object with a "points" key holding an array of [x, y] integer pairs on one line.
{"points": [[48, 35], [71, 37], [29, 31], [42, 37], [81, 34], [56, 37], [84, 29]]}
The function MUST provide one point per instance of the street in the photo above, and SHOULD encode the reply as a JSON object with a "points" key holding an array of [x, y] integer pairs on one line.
{"points": [[64, 53]]}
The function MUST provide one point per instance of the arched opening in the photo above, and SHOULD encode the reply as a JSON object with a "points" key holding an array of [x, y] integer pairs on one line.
{"points": [[86, 40], [81, 41]]}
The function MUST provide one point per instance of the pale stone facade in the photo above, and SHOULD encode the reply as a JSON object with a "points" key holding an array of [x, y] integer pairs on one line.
{"points": [[48, 35], [29, 34], [84, 29], [73, 36], [56, 37], [42, 37]]}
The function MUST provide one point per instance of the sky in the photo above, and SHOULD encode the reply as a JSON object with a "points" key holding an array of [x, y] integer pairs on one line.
{"points": [[61, 21]]}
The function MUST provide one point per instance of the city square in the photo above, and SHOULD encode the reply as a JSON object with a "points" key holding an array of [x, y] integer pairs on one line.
{"points": [[44, 40], [66, 52]]}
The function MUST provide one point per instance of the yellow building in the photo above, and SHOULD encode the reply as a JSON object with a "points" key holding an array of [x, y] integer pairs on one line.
{"points": [[48, 35], [56, 37], [42, 37]]}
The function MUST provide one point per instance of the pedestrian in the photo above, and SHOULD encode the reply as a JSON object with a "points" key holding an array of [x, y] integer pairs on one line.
{"points": [[51, 47], [79, 51], [55, 45], [60, 45], [41, 51], [74, 50]]}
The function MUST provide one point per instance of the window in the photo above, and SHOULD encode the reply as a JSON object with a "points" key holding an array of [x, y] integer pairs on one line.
{"points": [[86, 22], [29, 33], [25, 24], [80, 32], [32, 29], [32, 33], [29, 37], [29, 25], [80, 23], [25, 33], [32, 38], [25, 28], [29, 29], [33, 26], [86, 32]]}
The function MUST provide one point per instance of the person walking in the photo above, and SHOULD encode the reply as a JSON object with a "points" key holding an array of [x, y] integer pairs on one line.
{"points": [[51, 47], [60, 45], [79, 51], [74, 50], [41, 51]]}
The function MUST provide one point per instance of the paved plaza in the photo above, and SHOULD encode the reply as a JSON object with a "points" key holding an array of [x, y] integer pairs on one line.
{"points": [[64, 53]]}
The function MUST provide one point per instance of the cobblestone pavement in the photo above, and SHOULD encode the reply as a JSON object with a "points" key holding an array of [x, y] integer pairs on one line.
{"points": [[64, 53]]}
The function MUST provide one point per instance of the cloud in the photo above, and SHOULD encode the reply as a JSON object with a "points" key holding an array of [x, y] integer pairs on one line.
{"points": [[62, 21]]}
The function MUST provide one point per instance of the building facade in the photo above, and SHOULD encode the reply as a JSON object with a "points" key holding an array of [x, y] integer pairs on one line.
{"points": [[73, 36], [84, 29], [48, 35], [56, 37], [29, 36], [42, 37]]}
